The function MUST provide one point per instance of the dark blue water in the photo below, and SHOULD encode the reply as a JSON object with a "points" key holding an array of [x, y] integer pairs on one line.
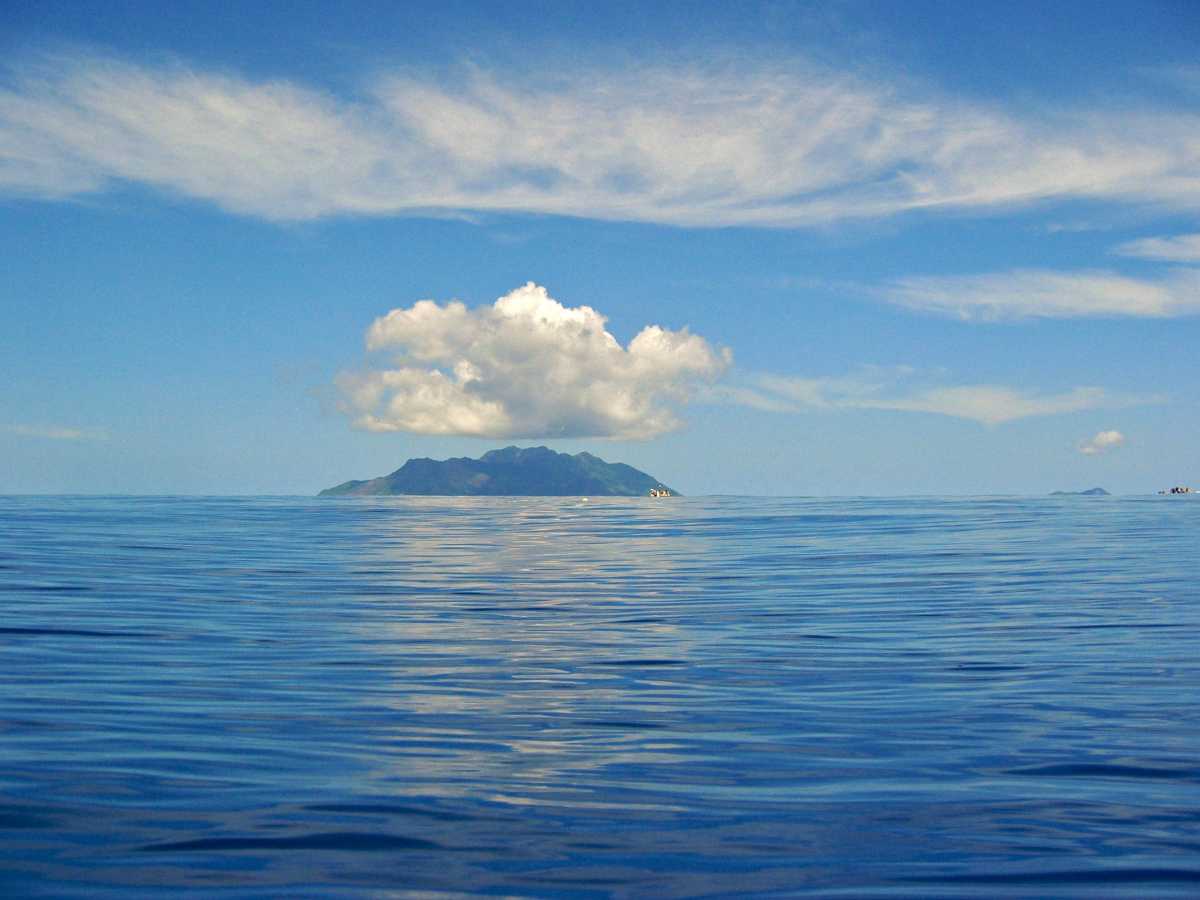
{"points": [[546, 697]]}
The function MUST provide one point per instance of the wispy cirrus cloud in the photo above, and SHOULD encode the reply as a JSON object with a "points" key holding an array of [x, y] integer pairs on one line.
{"points": [[1181, 248], [56, 432], [526, 366], [1038, 293], [769, 145], [893, 389]]}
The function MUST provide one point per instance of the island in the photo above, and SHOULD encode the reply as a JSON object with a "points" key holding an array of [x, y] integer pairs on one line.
{"points": [[1091, 492], [510, 472]]}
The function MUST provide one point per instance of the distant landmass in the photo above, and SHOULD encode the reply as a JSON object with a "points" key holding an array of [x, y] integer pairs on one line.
{"points": [[1091, 492], [511, 472]]}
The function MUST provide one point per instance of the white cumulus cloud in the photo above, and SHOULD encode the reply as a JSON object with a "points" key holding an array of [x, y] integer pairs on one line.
{"points": [[525, 367], [767, 144], [1100, 442], [1037, 293], [891, 389], [1183, 248]]}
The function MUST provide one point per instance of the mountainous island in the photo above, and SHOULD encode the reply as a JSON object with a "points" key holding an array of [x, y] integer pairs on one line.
{"points": [[1090, 492], [511, 472]]}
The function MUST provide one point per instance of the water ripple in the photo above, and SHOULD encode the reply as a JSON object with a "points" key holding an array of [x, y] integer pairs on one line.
{"points": [[349, 841], [539, 697]]}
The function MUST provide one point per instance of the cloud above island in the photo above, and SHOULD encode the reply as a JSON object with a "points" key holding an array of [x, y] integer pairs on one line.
{"points": [[1101, 442], [760, 144], [525, 367]]}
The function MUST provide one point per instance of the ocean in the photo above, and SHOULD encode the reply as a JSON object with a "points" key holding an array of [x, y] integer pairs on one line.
{"points": [[618, 697]]}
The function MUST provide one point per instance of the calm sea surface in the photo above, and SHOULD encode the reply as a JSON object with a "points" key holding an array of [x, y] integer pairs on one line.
{"points": [[991, 697]]}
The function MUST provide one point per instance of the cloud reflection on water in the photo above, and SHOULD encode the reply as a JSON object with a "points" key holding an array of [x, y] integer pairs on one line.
{"points": [[551, 616]]}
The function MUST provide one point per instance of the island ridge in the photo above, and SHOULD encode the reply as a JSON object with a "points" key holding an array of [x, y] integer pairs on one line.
{"points": [[510, 472]]}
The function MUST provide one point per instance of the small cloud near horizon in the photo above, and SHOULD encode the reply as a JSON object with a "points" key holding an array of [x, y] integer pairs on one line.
{"points": [[57, 432], [1101, 442]]}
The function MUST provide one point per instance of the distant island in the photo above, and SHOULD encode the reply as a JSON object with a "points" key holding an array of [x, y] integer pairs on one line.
{"points": [[511, 472], [1091, 492]]}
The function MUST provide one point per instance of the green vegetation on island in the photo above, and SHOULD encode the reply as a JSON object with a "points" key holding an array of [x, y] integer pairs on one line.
{"points": [[511, 472]]}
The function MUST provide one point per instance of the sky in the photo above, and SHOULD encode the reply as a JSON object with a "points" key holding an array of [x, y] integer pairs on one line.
{"points": [[840, 248]]}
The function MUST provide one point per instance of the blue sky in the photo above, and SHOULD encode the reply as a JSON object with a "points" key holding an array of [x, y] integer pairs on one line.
{"points": [[836, 248]]}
